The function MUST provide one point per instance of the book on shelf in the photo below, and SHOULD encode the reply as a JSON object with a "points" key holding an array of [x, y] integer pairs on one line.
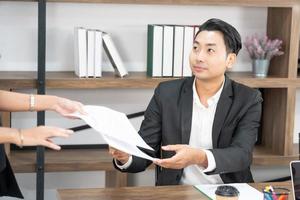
{"points": [[168, 34], [168, 49], [88, 45], [187, 47], [154, 50], [80, 51], [98, 54], [113, 55], [178, 51], [90, 52]]}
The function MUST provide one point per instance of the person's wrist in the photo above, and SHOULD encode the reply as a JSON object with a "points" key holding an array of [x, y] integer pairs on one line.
{"points": [[200, 157], [21, 138], [122, 161], [31, 102], [18, 137], [53, 102]]}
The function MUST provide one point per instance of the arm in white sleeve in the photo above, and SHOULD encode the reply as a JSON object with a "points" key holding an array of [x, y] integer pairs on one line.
{"points": [[211, 162], [126, 165]]}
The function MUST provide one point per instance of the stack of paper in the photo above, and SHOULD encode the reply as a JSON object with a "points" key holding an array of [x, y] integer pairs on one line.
{"points": [[116, 129]]}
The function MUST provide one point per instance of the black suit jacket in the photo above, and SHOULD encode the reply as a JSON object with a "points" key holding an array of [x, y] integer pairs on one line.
{"points": [[8, 183], [168, 121]]}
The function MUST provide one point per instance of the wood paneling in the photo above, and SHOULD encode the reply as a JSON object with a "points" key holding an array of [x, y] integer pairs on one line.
{"points": [[274, 118], [115, 179], [279, 26]]}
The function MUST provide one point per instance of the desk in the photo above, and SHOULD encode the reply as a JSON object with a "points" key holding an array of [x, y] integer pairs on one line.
{"points": [[147, 193]]}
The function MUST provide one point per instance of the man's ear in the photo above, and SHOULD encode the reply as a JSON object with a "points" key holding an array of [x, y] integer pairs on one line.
{"points": [[231, 59]]}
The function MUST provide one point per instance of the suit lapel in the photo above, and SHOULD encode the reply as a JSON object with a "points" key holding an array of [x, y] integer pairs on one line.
{"points": [[222, 109], [186, 110]]}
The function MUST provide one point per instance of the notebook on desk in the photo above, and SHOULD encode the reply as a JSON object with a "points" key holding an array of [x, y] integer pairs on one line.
{"points": [[295, 176]]}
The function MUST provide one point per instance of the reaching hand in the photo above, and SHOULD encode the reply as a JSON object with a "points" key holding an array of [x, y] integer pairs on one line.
{"points": [[65, 106], [119, 155], [185, 156], [42, 136]]}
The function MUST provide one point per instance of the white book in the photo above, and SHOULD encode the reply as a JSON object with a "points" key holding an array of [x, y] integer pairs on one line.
{"points": [[155, 50], [113, 55], [168, 34], [80, 51], [196, 29], [178, 51], [188, 45], [91, 53], [98, 54]]}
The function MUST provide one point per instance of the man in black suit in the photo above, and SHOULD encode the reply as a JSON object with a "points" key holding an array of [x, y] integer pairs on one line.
{"points": [[202, 128]]}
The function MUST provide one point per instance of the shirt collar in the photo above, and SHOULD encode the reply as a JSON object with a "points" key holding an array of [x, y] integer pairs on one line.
{"points": [[212, 100]]}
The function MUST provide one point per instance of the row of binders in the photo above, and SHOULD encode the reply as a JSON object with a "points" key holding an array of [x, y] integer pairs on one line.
{"points": [[88, 45], [168, 50]]}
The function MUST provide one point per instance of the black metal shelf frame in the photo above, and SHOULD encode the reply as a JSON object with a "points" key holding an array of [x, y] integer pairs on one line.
{"points": [[40, 158]]}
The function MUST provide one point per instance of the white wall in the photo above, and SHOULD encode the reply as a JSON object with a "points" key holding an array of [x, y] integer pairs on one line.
{"points": [[126, 23], [128, 26]]}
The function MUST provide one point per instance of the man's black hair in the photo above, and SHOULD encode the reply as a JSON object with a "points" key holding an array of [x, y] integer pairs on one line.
{"points": [[231, 36]]}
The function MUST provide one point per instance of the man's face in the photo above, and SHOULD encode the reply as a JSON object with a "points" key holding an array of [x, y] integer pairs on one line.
{"points": [[208, 58]]}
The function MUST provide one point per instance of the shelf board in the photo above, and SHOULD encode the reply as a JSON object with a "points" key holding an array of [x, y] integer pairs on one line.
{"points": [[264, 156], [248, 79], [23, 161], [252, 3], [68, 80]]}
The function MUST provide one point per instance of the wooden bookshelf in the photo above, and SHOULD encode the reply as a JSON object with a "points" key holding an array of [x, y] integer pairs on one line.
{"points": [[279, 88], [276, 87]]}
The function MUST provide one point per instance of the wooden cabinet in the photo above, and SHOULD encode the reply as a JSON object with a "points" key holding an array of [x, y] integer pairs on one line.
{"points": [[279, 88]]}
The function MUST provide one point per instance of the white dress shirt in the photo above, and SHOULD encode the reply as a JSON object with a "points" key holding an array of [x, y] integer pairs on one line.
{"points": [[201, 137]]}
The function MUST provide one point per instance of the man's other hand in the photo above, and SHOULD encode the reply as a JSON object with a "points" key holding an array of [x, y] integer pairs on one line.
{"points": [[185, 156], [120, 156]]}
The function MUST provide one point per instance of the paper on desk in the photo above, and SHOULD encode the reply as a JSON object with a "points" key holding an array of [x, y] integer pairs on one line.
{"points": [[246, 191], [116, 129]]}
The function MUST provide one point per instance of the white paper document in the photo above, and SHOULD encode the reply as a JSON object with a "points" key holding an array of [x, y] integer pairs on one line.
{"points": [[115, 129], [246, 191]]}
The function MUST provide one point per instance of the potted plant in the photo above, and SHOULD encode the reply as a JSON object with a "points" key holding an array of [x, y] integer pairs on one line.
{"points": [[261, 50]]}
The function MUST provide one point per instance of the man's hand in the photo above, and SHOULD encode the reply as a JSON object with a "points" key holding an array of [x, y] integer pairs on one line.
{"points": [[119, 155], [185, 156]]}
